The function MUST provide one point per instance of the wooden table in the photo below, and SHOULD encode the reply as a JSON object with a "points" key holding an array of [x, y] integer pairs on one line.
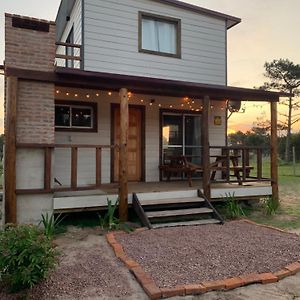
{"points": [[222, 163]]}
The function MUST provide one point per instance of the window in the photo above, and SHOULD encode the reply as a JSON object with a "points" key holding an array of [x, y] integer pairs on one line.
{"points": [[75, 116], [181, 135], [159, 35], [70, 50]]}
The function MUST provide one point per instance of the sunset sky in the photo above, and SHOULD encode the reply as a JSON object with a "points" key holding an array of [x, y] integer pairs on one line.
{"points": [[269, 30]]}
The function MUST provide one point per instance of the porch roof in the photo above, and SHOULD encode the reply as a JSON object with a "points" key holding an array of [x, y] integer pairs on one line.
{"points": [[155, 86]]}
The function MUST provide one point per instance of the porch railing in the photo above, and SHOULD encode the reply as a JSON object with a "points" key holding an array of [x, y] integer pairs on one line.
{"points": [[237, 164], [48, 178], [68, 55]]}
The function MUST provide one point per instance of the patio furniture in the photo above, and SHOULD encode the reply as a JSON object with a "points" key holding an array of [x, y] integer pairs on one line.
{"points": [[179, 165]]}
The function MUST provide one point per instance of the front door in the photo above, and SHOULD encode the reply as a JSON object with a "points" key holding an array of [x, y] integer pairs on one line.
{"points": [[134, 147]]}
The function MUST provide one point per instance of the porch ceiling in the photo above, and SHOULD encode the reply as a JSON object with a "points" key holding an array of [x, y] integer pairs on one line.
{"points": [[155, 86]]}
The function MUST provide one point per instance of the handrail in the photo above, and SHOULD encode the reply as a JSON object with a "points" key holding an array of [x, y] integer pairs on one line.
{"points": [[36, 145], [216, 213], [68, 45], [48, 150], [69, 58]]}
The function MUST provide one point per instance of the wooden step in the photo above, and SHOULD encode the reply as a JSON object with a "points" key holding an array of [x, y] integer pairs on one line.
{"points": [[178, 212], [186, 223], [172, 201]]}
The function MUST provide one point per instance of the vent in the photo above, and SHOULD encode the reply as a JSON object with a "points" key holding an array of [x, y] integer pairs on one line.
{"points": [[30, 24]]}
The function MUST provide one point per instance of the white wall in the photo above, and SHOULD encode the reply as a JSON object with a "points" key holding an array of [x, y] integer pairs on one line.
{"points": [[76, 22], [86, 161], [111, 42]]}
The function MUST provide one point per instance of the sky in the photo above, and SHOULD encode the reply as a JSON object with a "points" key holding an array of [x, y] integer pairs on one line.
{"points": [[269, 30]]}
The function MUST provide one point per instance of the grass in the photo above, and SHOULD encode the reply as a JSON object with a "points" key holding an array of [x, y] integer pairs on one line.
{"points": [[288, 215]]}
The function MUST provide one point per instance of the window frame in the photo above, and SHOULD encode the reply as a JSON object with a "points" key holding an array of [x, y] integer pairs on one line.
{"points": [[94, 113], [160, 18]]}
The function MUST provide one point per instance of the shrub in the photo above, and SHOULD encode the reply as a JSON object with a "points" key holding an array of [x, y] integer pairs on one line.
{"points": [[233, 208], [26, 256], [270, 205]]}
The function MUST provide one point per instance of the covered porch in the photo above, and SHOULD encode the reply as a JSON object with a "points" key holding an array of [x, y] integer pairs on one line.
{"points": [[63, 162]]}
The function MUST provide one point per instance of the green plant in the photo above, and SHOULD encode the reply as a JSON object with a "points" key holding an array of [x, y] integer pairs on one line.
{"points": [[233, 208], [50, 224], [270, 205], [109, 221], [26, 256]]}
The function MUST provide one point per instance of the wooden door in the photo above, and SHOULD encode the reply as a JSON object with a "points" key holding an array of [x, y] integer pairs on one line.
{"points": [[134, 147]]}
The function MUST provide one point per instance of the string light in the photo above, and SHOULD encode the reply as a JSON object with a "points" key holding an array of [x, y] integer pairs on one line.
{"points": [[57, 91], [171, 106], [129, 94], [109, 93], [67, 94], [76, 95], [87, 95], [97, 94], [142, 100], [159, 105]]}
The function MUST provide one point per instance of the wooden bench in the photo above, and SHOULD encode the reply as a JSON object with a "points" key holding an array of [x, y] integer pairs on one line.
{"points": [[180, 165]]}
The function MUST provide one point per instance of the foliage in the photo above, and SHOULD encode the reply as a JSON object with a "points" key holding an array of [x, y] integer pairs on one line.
{"points": [[270, 205], [257, 137], [284, 76], [233, 208], [109, 220], [50, 224], [26, 256]]}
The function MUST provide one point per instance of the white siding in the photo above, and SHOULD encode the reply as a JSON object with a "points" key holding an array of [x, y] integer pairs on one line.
{"points": [[111, 42], [76, 23], [86, 158]]}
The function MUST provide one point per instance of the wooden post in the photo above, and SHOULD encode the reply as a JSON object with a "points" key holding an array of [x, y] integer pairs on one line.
{"points": [[47, 169], [74, 159], [205, 147], [10, 150], [274, 152], [123, 180], [98, 167]]}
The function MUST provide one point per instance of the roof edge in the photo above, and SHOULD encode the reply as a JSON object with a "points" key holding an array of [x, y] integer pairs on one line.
{"points": [[231, 20]]}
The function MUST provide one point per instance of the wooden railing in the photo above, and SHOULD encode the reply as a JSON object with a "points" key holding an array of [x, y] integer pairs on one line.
{"points": [[69, 61], [48, 176], [239, 164]]}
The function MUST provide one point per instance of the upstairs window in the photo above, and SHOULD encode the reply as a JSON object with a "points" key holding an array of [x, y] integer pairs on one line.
{"points": [[159, 35]]}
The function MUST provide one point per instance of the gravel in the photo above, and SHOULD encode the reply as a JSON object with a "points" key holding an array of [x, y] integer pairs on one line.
{"points": [[192, 254]]}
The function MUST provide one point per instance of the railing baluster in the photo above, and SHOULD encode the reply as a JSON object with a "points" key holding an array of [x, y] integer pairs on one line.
{"points": [[228, 165], [74, 159], [47, 169], [98, 166], [244, 163], [259, 164]]}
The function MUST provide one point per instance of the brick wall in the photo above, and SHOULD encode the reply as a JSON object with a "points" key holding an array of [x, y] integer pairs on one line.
{"points": [[32, 50], [35, 112], [27, 48]]}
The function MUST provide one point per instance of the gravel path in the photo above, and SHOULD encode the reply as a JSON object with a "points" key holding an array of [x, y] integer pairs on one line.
{"points": [[186, 255]]}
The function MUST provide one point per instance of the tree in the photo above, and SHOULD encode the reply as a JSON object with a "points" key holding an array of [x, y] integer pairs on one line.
{"points": [[284, 76]]}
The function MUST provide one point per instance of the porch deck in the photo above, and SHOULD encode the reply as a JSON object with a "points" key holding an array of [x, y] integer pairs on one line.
{"points": [[97, 198]]}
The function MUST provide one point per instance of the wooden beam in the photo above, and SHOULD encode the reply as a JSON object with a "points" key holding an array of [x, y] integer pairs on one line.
{"points": [[74, 159], [98, 166], [274, 151], [10, 150], [123, 176], [205, 147], [47, 169]]}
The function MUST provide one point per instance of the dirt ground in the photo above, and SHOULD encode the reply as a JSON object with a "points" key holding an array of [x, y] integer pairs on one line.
{"points": [[89, 270]]}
